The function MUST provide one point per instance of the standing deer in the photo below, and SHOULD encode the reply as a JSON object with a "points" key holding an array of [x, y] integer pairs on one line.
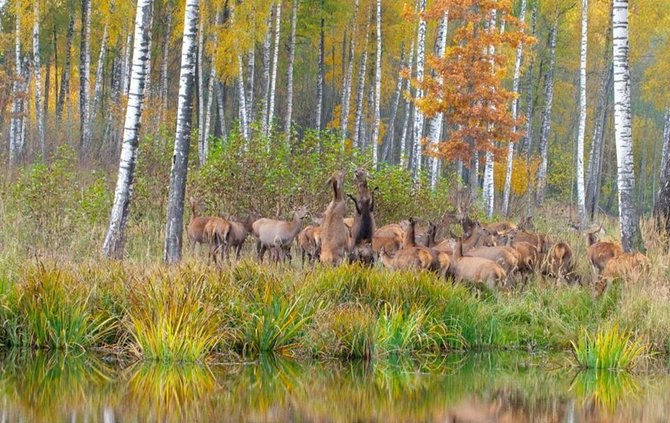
{"points": [[334, 234], [600, 252], [277, 235], [411, 256], [474, 269], [216, 235], [363, 226], [196, 225], [239, 231]]}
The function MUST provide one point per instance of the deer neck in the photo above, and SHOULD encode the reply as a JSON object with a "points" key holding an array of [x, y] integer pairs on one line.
{"points": [[294, 226], [337, 192], [410, 236], [592, 239]]}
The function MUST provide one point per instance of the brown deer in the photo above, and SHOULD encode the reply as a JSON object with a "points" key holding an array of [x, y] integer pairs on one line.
{"points": [[474, 269], [334, 234], [499, 228], [216, 235], [196, 225], [239, 231], [479, 237], [427, 239], [626, 266], [410, 256], [505, 257], [277, 235], [600, 252], [529, 255], [363, 226], [309, 242], [559, 262], [390, 237]]}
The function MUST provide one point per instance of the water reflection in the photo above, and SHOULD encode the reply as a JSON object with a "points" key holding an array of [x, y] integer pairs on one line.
{"points": [[493, 387]]}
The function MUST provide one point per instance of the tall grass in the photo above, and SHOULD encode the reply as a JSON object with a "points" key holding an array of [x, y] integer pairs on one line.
{"points": [[610, 348]]}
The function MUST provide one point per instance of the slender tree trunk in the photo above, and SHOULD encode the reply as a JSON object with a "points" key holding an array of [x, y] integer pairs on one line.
{"points": [[631, 238], [418, 115], [435, 123], [409, 105], [164, 65], [97, 89], [55, 48], [84, 78], [378, 89], [251, 69], [289, 72], [275, 66], [665, 145], [321, 78], [210, 96], [488, 191], [126, 64], [267, 44], [201, 92], [390, 134], [221, 104], [546, 116], [515, 107], [37, 74], [64, 90], [15, 150], [177, 188], [581, 195], [244, 119], [528, 137], [114, 244], [148, 87], [346, 89], [47, 90], [360, 94]]}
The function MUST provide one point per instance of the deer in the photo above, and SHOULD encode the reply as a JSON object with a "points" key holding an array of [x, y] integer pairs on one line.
{"points": [[559, 261], [278, 235], [479, 237], [506, 257], [626, 266], [600, 252], [216, 235], [474, 269], [427, 239], [363, 226], [238, 233], [388, 236], [410, 256], [334, 234], [499, 228], [196, 225], [309, 242]]}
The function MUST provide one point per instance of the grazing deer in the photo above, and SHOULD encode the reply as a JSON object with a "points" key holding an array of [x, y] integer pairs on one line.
{"points": [[216, 235], [600, 252], [196, 225], [626, 266], [559, 262], [410, 256], [239, 231], [390, 237], [334, 234], [277, 235], [505, 257], [474, 269]]}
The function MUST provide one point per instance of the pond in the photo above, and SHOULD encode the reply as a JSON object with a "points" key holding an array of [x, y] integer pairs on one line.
{"points": [[500, 387]]}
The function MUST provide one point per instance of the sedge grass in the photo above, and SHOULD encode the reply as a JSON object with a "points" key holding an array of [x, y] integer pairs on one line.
{"points": [[609, 348]]}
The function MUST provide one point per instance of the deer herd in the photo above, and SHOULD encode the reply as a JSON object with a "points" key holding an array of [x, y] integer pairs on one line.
{"points": [[497, 255]]}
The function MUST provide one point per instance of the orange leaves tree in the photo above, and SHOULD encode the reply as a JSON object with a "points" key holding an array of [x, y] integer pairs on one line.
{"points": [[472, 95]]}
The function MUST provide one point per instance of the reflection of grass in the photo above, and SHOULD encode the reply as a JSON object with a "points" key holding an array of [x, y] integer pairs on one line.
{"points": [[610, 348], [606, 388]]}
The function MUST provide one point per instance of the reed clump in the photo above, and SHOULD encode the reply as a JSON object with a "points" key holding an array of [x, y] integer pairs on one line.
{"points": [[610, 348]]}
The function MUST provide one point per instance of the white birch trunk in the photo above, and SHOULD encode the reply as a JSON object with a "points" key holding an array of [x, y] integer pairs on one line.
{"points": [[321, 77], [251, 83], [85, 77], [488, 189], [346, 89], [201, 93], [546, 117], [515, 107], [64, 90], [435, 123], [177, 188], [267, 44], [360, 95], [581, 191], [97, 88], [244, 119], [631, 238], [289, 76], [210, 97], [126, 64], [418, 115], [378, 88], [147, 81], [665, 145], [37, 74], [15, 151], [113, 245], [387, 152], [275, 65], [221, 104], [408, 110]]}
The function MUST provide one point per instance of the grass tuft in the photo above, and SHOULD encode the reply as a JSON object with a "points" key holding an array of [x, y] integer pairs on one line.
{"points": [[610, 348]]}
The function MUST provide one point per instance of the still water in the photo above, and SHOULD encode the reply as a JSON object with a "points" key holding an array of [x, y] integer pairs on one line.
{"points": [[40, 387]]}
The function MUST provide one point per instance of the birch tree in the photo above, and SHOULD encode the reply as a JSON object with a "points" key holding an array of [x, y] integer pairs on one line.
{"points": [[631, 238], [267, 64], [546, 116], [378, 88], [348, 76], [37, 74], [581, 192], [488, 188], [289, 72], [16, 124], [84, 77], [418, 114], [114, 244], [515, 108], [409, 106], [97, 88], [321, 78], [164, 63], [200, 62], [360, 94], [390, 133], [64, 90], [435, 123], [244, 118], [275, 65], [177, 187]]}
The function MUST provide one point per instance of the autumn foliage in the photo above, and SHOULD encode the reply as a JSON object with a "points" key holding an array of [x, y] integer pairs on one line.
{"points": [[472, 96]]}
